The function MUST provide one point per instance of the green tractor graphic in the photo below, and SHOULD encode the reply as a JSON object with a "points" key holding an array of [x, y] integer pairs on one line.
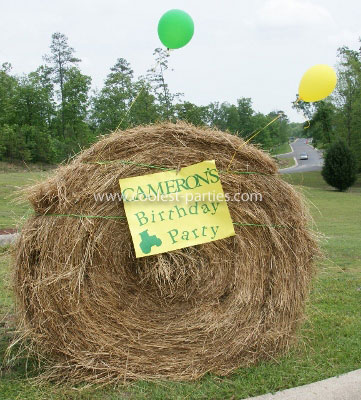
{"points": [[148, 242]]}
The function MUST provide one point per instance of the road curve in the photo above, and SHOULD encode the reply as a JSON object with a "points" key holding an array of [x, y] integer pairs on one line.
{"points": [[314, 162]]}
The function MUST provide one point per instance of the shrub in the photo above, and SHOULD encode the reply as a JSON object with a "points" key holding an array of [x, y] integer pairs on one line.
{"points": [[340, 166]]}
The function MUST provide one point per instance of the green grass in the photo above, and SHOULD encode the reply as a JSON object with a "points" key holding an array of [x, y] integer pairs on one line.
{"points": [[10, 182], [290, 162], [338, 216], [281, 149], [314, 180], [330, 340], [286, 162]]}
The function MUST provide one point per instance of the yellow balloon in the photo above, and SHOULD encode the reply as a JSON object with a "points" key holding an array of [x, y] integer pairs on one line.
{"points": [[317, 83]]}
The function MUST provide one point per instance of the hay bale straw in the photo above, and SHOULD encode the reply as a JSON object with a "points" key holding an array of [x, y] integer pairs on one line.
{"points": [[98, 314]]}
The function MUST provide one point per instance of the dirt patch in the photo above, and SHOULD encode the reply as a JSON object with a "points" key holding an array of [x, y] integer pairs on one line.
{"points": [[7, 231]]}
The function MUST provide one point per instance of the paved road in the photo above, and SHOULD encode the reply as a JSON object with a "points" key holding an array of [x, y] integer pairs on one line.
{"points": [[314, 162], [343, 387]]}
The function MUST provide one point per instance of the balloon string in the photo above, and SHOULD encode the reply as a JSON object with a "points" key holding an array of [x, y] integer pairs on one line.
{"points": [[303, 114], [130, 107], [154, 69], [253, 135]]}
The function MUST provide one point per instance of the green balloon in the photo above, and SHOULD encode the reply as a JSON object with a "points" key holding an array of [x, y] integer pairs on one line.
{"points": [[175, 29]]}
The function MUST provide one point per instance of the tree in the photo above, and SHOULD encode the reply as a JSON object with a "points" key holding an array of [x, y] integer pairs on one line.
{"points": [[191, 113], [260, 120], [8, 85], [301, 106], [155, 77], [76, 89], [246, 113], [347, 99], [322, 123], [25, 116], [217, 115], [349, 86], [78, 134], [306, 110], [60, 60], [13, 143], [144, 109], [34, 113], [110, 105], [39, 144], [41, 78], [33, 100], [295, 129], [232, 119], [224, 116], [340, 166], [276, 133]]}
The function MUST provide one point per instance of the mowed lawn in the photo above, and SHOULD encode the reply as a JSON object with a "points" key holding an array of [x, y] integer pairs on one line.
{"points": [[281, 149], [329, 341], [12, 212]]}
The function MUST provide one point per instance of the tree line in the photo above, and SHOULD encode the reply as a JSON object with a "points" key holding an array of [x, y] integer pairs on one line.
{"points": [[50, 114], [339, 116]]}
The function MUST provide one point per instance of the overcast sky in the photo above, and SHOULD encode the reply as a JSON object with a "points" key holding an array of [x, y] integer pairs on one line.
{"points": [[254, 48]]}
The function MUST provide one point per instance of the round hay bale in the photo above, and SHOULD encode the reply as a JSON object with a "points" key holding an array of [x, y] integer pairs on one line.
{"points": [[101, 315]]}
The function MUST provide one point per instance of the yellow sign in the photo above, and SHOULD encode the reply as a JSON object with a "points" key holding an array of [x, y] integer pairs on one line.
{"points": [[171, 210]]}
